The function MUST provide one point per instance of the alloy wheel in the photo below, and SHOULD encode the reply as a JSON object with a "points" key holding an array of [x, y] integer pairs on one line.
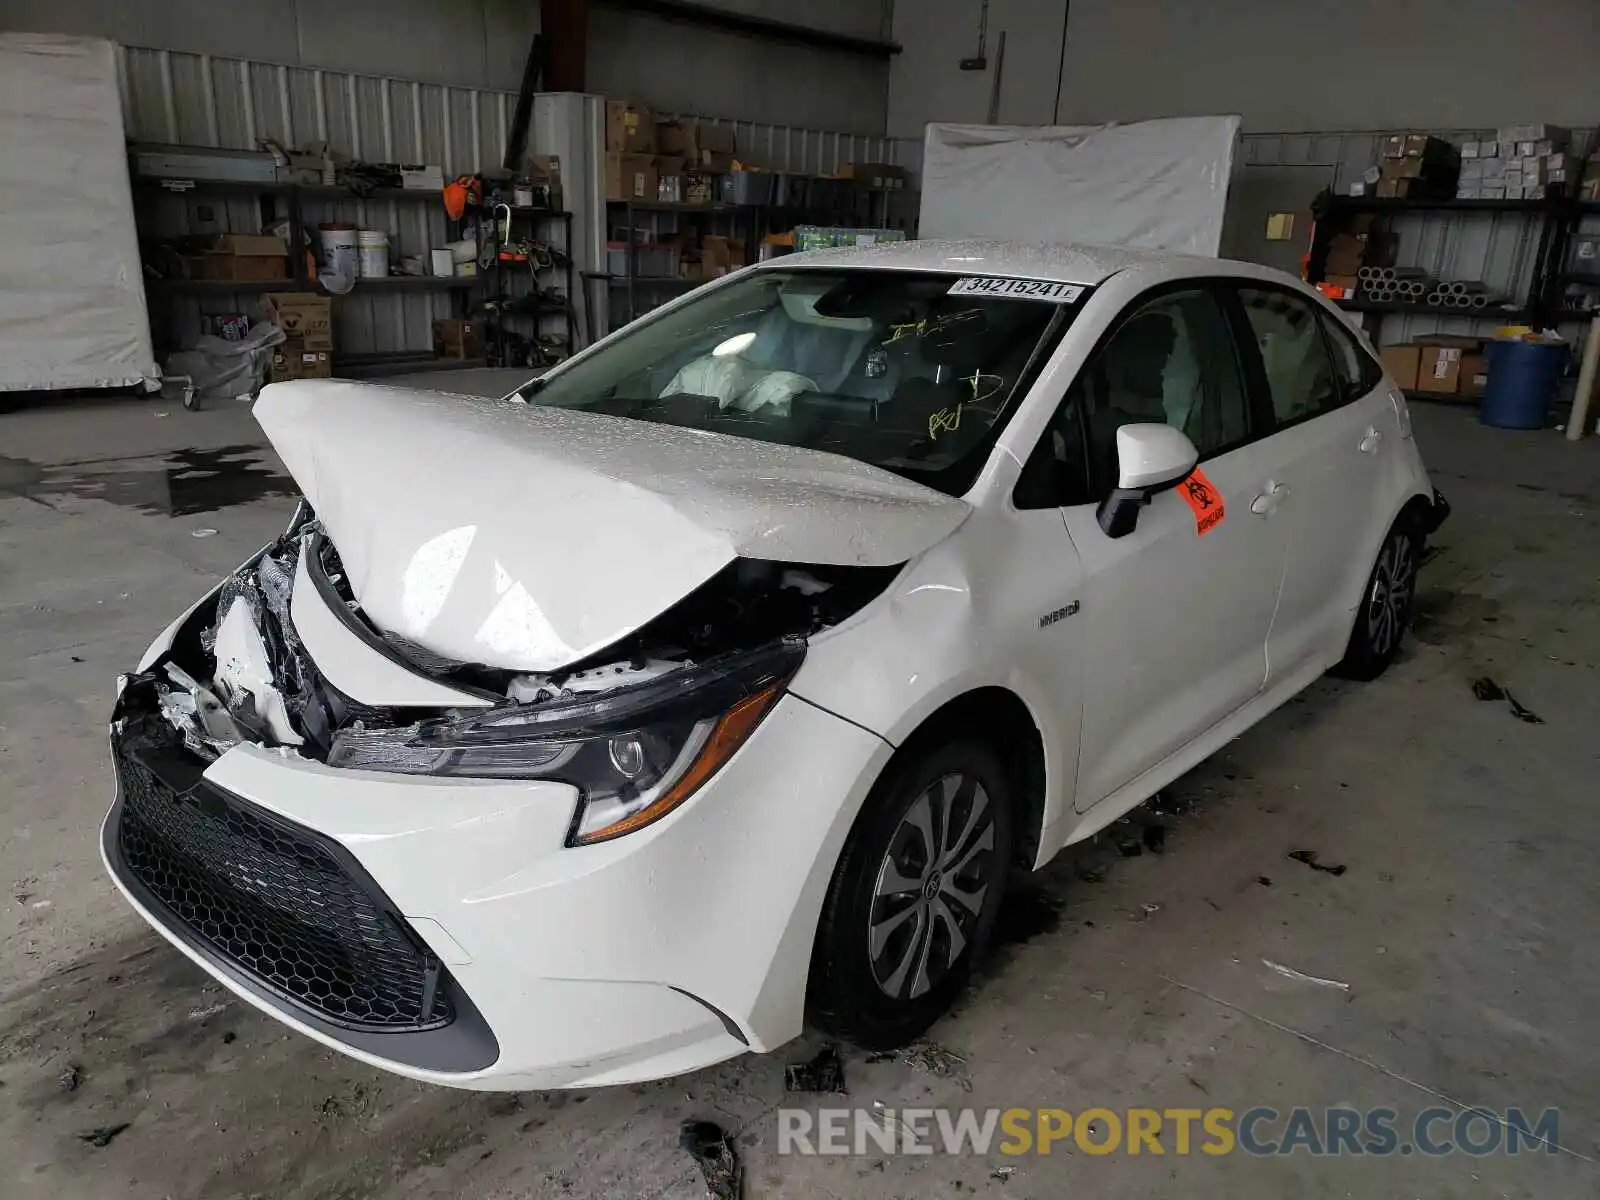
{"points": [[931, 886], [1389, 604]]}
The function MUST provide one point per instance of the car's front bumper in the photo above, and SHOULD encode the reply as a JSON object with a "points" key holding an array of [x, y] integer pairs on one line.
{"points": [[670, 949]]}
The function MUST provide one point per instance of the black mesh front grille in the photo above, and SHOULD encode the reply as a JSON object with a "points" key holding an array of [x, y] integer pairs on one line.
{"points": [[275, 900]]}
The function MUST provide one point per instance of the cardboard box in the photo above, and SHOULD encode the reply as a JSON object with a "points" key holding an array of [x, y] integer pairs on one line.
{"points": [[1508, 148], [544, 171], [1439, 370], [422, 179], [244, 256], [1402, 361], [1422, 145], [1534, 133], [1474, 379], [294, 359], [305, 316], [631, 177], [1393, 146], [720, 255], [630, 128], [700, 144], [698, 188], [1349, 252], [1395, 189], [876, 175], [314, 170], [1348, 282], [457, 337]]}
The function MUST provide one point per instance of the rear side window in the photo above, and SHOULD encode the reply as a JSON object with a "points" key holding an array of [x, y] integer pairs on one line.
{"points": [[1294, 354], [1357, 371]]}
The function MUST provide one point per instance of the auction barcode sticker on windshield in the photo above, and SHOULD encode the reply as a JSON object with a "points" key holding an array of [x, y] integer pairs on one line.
{"points": [[1021, 289]]}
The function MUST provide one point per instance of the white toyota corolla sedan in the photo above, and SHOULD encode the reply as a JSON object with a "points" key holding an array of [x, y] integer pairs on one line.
{"points": [[720, 680]]}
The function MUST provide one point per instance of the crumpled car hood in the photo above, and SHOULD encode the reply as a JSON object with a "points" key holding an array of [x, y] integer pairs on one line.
{"points": [[527, 537]]}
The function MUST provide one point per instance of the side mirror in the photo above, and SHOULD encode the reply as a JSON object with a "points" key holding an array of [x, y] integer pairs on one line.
{"points": [[1150, 459]]}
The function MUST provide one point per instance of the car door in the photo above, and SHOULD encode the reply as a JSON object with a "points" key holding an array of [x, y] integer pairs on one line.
{"points": [[1174, 616], [1332, 421]]}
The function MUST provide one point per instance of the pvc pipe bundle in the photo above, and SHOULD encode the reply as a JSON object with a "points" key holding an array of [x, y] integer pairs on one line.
{"points": [[1398, 285]]}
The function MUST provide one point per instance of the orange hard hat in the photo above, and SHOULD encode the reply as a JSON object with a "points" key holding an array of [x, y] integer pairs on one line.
{"points": [[455, 199]]}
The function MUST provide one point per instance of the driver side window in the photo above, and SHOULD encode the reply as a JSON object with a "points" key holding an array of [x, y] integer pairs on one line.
{"points": [[1170, 360]]}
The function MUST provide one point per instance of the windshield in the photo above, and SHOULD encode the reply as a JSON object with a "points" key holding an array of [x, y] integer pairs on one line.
{"points": [[915, 373]]}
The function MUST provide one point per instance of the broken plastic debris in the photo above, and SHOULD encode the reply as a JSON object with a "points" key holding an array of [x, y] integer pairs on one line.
{"points": [[1302, 977], [713, 1151], [205, 531], [541, 689], [245, 676], [824, 1073], [1521, 713], [103, 1136], [1309, 857], [1485, 688], [198, 716], [928, 1057], [1002, 1173]]}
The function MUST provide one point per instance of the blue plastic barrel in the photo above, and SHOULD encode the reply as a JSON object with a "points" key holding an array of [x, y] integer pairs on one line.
{"points": [[1522, 383]]}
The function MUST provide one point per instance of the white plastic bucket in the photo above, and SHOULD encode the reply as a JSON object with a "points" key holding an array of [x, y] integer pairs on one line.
{"points": [[373, 247], [339, 252]]}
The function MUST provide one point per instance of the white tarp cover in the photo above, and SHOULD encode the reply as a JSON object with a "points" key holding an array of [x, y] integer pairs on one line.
{"points": [[1158, 184], [72, 311]]}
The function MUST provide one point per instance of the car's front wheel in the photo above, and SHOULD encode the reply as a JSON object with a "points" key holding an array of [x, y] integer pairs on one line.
{"points": [[1385, 612], [914, 897]]}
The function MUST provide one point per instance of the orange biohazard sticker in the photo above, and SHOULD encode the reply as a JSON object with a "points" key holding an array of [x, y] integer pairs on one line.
{"points": [[1204, 500]]}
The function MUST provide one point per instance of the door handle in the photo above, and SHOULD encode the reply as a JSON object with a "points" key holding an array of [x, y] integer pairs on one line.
{"points": [[1267, 502], [1370, 443]]}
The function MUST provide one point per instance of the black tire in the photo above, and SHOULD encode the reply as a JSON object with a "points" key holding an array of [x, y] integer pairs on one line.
{"points": [[1385, 611], [859, 997]]}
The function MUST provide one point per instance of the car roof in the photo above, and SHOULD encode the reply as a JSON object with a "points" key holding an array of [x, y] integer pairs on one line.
{"points": [[1056, 261]]}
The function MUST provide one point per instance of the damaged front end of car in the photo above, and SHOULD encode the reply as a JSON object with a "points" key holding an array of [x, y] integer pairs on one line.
{"points": [[635, 729]]}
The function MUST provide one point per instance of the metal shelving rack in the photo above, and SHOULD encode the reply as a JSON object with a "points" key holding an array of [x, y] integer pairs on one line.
{"points": [[300, 280], [759, 216], [1558, 218], [499, 268], [628, 282]]}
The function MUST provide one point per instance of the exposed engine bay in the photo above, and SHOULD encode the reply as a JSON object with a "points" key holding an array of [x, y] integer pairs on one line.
{"points": [[238, 672]]}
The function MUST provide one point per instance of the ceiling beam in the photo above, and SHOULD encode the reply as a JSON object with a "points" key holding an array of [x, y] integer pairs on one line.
{"points": [[564, 25], [706, 16]]}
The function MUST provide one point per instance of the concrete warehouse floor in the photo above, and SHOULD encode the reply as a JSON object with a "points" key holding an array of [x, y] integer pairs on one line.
{"points": [[1472, 842]]}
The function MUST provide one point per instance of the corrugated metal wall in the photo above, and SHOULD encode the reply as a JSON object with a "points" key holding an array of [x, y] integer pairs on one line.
{"points": [[1496, 248], [203, 100], [200, 100]]}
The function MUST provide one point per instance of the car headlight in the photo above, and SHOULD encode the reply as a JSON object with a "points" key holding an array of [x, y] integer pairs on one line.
{"points": [[634, 754]]}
